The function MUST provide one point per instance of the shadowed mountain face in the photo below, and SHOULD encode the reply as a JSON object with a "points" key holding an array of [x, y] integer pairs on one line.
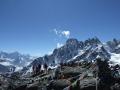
{"points": [[114, 46]]}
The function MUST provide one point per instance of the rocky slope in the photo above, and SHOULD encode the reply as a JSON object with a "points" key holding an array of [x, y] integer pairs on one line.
{"points": [[75, 76]]}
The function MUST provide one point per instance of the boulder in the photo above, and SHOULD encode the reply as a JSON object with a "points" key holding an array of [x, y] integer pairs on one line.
{"points": [[58, 84], [23, 87], [32, 88]]}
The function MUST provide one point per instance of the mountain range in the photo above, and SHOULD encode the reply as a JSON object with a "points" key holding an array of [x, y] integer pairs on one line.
{"points": [[10, 62], [72, 50], [88, 50]]}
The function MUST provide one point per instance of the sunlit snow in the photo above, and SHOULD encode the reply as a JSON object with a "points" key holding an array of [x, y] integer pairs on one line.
{"points": [[115, 58]]}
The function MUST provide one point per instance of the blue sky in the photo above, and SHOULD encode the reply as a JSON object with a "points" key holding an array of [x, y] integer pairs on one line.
{"points": [[29, 26]]}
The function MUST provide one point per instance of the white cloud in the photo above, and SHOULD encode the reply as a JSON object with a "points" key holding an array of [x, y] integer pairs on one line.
{"points": [[50, 52], [56, 32], [60, 33], [59, 45], [66, 33]]}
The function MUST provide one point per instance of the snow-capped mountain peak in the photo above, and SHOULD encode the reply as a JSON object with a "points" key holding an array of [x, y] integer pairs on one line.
{"points": [[15, 60], [76, 50]]}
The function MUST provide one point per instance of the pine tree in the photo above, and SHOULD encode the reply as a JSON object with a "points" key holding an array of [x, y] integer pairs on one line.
{"points": [[104, 73]]}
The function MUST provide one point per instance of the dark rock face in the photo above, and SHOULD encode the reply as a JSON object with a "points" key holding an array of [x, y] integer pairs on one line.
{"points": [[89, 88], [114, 46], [23, 87], [32, 88], [66, 52], [4, 69], [115, 87], [37, 61], [92, 41], [58, 85]]}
